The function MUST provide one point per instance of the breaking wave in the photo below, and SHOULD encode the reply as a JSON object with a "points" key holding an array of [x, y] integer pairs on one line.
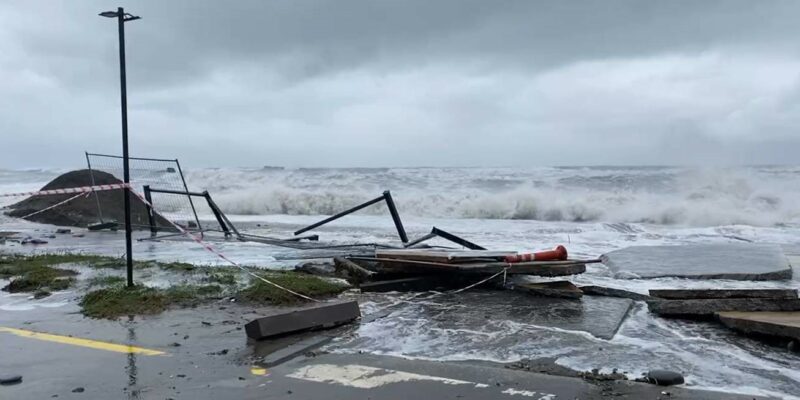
{"points": [[669, 196]]}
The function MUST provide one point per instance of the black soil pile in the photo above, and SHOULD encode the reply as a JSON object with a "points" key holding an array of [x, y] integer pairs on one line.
{"points": [[83, 211]]}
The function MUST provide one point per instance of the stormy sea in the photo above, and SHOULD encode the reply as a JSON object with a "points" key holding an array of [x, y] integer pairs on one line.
{"points": [[590, 210]]}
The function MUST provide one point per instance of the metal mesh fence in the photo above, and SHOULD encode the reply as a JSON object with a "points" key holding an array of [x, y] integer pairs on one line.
{"points": [[153, 172]]}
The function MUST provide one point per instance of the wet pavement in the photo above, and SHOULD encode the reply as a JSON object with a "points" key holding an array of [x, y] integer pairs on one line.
{"points": [[206, 356]]}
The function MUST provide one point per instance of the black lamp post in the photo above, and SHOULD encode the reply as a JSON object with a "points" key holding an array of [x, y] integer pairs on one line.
{"points": [[122, 18]]}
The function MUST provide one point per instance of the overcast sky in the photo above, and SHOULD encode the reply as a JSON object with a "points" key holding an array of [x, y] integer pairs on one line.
{"points": [[404, 83]]}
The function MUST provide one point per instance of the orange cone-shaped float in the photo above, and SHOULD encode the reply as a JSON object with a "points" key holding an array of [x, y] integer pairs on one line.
{"points": [[559, 253]]}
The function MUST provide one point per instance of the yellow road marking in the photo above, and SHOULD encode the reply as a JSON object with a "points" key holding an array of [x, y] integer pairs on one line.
{"points": [[93, 344], [258, 371]]}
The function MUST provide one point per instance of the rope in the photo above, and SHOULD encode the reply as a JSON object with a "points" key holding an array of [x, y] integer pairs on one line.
{"points": [[56, 205], [503, 272], [220, 255]]}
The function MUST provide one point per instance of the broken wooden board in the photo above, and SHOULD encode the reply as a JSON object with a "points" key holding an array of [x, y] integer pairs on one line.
{"points": [[561, 289], [777, 324], [739, 261], [706, 308], [689, 294], [417, 284], [539, 268], [443, 256], [325, 315]]}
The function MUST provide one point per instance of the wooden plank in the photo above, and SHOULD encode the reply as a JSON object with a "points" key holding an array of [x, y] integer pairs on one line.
{"points": [[325, 315], [780, 324], [539, 268], [442, 256], [688, 294], [420, 284]]}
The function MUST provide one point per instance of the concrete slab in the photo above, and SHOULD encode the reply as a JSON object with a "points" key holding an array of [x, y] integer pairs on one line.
{"points": [[599, 316], [560, 289], [706, 308], [740, 261], [777, 324], [323, 315], [689, 294]]}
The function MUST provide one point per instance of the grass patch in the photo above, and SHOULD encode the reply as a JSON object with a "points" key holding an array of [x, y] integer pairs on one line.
{"points": [[19, 264], [309, 285], [117, 301], [106, 280], [222, 278], [40, 277]]}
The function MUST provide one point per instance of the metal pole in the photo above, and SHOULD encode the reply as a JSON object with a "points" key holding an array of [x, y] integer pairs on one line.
{"points": [[150, 217], [125, 167], [387, 195], [339, 215], [191, 203]]}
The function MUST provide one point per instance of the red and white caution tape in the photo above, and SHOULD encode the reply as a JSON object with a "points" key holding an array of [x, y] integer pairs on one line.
{"points": [[56, 205], [81, 189], [220, 255]]}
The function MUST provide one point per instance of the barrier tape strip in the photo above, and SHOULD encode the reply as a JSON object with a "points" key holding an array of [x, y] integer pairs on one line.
{"points": [[81, 189], [220, 255], [56, 205]]}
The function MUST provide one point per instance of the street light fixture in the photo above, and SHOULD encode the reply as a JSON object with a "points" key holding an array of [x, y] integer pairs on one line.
{"points": [[123, 17]]}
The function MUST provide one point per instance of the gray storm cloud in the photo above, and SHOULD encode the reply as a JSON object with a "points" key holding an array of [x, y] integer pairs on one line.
{"points": [[379, 83]]}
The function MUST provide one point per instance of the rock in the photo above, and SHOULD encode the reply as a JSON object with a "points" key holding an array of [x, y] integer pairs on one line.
{"points": [[10, 379], [175, 344], [40, 294], [49, 236], [78, 390], [664, 377], [78, 235], [83, 211], [316, 268], [63, 231], [33, 241], [792, 346]]}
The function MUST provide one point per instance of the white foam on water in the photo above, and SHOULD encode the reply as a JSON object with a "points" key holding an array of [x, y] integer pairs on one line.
{"points": [[590, 210]]}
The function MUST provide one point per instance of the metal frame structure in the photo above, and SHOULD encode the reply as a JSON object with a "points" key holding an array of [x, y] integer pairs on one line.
{"points": [[436, 232], [386, 196], [179, 171]]}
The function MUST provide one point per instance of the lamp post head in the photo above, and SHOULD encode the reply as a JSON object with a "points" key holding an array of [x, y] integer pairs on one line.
{"points": [[115, 14]]}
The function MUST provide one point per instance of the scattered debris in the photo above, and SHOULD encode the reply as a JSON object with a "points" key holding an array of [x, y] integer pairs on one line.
{"points": [[63, 231]]}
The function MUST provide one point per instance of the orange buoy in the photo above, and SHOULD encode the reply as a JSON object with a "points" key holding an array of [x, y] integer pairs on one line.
{"points": [[559, 253]]}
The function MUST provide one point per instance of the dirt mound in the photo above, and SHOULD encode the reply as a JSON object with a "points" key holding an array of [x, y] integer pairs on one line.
{"points": [[83, 211]]}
